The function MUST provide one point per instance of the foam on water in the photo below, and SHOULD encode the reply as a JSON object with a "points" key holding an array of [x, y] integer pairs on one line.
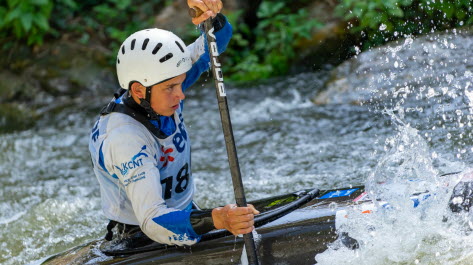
{"points": [[396, 232], [424, 90]]}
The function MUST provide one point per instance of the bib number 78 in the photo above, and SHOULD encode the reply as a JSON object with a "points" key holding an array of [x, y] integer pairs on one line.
{"points": [[182, 179]]}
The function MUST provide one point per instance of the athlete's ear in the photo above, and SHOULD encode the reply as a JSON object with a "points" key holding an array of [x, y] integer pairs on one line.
{"points": [[138, 90]]}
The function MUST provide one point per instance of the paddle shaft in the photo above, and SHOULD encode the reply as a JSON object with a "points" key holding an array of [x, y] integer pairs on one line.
{"points": [[228, 135]]}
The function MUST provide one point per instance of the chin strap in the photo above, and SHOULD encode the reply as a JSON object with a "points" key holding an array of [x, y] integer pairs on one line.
{"points": [[146, 104]]}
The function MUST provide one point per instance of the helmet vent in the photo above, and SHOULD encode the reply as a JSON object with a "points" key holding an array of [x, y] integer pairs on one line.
{"points": [[165, 58], [158, 46], [118, 60], [133, 44], [145, 43], [123, 49], [180, 47]]}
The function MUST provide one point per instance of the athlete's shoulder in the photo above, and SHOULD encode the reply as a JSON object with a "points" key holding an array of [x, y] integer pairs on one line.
{"points": [[122, 128]]}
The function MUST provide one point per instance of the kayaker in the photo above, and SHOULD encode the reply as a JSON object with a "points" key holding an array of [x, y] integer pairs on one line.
{"points": [[140, 147]]}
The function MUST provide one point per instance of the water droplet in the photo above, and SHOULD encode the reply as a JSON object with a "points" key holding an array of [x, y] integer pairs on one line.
{"points": [[408, 41], [383, 27], [449, 78], [357, 50]]}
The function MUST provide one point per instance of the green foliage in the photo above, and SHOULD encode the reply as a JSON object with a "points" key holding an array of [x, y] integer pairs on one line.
{"points": [[268, 53], [273, 48], [264, 51], [452, 10], [25, 19], [110, 20], [383, 20]]}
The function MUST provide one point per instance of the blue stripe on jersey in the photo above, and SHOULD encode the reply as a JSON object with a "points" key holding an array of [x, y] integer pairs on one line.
{"points": [[179, 223], [102, 164], [101, 161]]}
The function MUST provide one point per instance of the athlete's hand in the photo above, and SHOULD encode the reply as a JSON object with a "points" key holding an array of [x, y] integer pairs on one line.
{"points": [[210, 8], [237, 220]]}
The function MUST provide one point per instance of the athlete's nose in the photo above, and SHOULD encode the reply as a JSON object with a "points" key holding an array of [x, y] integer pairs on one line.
{"points": [[180, 94]]}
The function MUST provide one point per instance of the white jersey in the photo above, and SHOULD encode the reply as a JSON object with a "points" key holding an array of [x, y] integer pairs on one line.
{"points": [[145, 180], [141, 176]]}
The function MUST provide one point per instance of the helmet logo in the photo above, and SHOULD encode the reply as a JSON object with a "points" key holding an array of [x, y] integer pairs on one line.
{"points": [[181, 61]]}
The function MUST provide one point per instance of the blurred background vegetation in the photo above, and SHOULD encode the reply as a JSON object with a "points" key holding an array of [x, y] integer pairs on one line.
{"points": [[268, 34], [56, 52]]}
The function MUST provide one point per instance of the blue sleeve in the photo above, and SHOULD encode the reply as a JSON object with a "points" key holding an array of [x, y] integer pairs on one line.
{"points": [[223, 37], [178, 222]]}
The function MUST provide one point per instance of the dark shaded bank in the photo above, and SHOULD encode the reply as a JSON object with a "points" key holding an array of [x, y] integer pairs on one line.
{"points": [[47, 79]]}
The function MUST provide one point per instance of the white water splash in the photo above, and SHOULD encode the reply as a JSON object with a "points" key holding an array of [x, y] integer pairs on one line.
{"points": [[396, 232]]}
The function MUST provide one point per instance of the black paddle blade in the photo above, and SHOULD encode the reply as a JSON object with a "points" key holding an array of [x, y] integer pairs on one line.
{"points": [[462, 197]]}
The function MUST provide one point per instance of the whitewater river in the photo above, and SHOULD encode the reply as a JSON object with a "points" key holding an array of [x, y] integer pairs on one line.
{"points": [[412, 120]]}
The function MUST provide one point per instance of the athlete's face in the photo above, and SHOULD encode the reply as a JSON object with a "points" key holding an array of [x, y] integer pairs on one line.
{"points": [[165, 97]]}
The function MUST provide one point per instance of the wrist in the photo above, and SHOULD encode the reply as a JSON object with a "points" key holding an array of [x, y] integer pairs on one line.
{"points": [[217, 218], [201, 221]]}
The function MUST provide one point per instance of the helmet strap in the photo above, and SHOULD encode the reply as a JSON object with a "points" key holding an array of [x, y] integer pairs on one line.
{"points": [[145, 103]]}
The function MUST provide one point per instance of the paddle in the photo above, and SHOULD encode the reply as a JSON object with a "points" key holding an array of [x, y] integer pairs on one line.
{"points": [[227, 129]]}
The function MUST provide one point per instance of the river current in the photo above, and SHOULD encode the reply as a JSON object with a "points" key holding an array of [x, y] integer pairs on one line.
{"points": [[412, 120]]}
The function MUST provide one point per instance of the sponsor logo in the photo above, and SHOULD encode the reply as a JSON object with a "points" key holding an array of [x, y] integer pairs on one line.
{"points": [[166, 157], [135, 162], [182, 61], [217, 66], [180, 138], [135, 178]]}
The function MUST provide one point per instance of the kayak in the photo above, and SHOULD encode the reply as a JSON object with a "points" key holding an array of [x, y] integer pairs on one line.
{"points": [[290, 229]]}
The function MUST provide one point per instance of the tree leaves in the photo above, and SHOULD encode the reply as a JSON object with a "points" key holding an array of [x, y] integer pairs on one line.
{"points": [[383, 20], [26, 19], [276, 34]]}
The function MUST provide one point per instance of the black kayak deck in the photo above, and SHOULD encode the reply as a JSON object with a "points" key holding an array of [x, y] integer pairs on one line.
{"points": [[271, 209]]}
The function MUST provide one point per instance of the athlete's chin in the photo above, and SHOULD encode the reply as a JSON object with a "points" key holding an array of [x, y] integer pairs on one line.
{"points": [[170, 113], [167, 113]]}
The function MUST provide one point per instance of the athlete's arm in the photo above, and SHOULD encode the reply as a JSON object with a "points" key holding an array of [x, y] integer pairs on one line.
{"points": [[200, 52]]}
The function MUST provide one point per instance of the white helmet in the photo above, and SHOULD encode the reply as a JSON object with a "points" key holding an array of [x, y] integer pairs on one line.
{"points": [[151, 56]]}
